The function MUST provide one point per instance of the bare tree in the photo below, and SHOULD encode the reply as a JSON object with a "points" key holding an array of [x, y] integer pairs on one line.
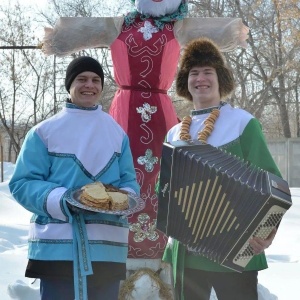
{"points": [[90, 8], [267, 72], [264, 70], [23, 82], [32, 85]]}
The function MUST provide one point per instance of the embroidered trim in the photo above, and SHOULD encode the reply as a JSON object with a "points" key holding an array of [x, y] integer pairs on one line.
{"points": [[148, 30], [94, 178], [146, 111], [148, 160], [113, 244], [70, 241], [107, 222], [207, 110], [74, 106], [50, 241]]}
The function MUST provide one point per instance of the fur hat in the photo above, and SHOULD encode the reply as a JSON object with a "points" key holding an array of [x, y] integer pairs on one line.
{"points": [[203, 52], [82, 64]]}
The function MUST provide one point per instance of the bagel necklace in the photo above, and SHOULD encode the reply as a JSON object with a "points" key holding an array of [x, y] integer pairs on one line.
{"points": [[209, 122]]}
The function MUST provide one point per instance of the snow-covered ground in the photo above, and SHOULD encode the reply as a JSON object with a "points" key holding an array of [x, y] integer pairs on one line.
{"points": [[279, 282]]}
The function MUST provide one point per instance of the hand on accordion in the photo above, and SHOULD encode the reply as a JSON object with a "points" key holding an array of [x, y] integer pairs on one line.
{"points": [[258, 245]]}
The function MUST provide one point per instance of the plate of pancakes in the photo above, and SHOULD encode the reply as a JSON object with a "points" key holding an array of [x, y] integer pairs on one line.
{"points": [[104, 198]]}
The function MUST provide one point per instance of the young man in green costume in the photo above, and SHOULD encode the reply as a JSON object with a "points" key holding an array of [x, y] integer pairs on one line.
{"points": [[204, 78]]}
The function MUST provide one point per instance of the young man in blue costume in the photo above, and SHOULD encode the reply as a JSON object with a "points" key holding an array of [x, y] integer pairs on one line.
{"points": [[204, 78], [77, 255]]}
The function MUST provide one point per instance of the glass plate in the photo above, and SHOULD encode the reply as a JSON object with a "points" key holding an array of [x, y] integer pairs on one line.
{"points": [[135, 203]]}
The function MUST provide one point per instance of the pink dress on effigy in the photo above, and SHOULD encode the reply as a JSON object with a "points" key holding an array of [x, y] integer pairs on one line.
{"points": [[145, 62]]}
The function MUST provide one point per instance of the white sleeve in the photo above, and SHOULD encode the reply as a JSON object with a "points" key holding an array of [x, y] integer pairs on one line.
{"points": [[227, 33], [72, 34]]}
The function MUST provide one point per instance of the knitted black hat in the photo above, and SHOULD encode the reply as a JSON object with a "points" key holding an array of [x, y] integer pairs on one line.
{"points": [[82, 64], [203, 52]]}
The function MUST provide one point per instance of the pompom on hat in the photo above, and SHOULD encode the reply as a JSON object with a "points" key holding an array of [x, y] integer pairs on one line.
{"points": [[82, 64], [203, 52]]}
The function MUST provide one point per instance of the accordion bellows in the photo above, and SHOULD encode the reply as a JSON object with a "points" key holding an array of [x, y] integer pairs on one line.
{"points": [[213, 202]]}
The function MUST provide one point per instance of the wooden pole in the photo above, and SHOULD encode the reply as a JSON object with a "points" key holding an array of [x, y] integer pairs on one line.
{"points": [[21, 47]]}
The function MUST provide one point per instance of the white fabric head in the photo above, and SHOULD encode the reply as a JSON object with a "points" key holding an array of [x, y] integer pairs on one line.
{"points": [[157, 8]]}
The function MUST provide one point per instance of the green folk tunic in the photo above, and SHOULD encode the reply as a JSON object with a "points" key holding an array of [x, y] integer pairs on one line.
{"points": [[236, 132]]}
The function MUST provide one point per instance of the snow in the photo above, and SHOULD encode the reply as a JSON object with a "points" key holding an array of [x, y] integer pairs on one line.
{"points": [[279, 282]]}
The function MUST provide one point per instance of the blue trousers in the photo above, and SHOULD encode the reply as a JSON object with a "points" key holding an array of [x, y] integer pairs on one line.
{"points": [[58, 289]]}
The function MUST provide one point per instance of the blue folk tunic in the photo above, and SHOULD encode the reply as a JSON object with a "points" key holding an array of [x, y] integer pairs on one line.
{"points": [[73, 148]]}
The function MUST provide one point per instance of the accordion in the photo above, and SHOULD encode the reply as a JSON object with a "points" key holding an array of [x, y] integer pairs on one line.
{"points": [[213, 202]]}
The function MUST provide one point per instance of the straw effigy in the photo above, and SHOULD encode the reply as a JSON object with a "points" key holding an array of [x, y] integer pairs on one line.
{"points": [[129, 285]]}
